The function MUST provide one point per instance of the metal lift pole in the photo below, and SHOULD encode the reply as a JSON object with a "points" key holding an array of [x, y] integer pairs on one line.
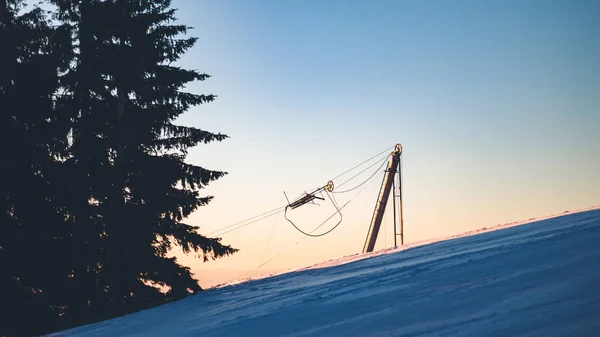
{"points": [[398, 196], [394, 203], [384, 195], [400, 201]]}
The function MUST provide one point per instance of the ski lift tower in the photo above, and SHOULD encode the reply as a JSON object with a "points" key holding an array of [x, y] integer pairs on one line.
{"points": [[393, 173]]}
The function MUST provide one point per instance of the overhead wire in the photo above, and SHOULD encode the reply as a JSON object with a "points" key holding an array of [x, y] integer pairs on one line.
{"points": [[249, 219], [251, 222], [383, 162], [366, 161], [348, 202], [271, 234], [262, 216], [241, 224], [324, 233], [279, 210], [363, 170], [304, 237]]}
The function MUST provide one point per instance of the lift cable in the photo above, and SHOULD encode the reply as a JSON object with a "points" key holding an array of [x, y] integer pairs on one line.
{"points": [[366, 161], [243, 224], [310, 197], [249, 219], [292, 247], [346, 204], [279, 210], [337, 211], [383, 162], [314, 230], [271, 234], [254, 221]]}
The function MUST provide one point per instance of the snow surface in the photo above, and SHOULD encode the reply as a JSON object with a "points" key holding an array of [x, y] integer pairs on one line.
{"points": [[536, 279]]}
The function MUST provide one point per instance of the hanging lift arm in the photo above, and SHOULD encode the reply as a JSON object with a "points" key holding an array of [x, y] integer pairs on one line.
{"points": [[382, 200], [308, 197]]}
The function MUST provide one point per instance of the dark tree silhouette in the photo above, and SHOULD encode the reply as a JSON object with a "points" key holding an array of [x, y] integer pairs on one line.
{"points": [[32, 141], [94, 189], [127, 157]]}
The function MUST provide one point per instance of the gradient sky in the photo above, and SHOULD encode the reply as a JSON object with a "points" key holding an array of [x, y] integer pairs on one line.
{"points": [[496, 103]]}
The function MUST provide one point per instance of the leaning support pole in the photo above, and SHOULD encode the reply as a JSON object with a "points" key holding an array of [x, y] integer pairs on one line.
{"points": [[382, 200], [394, 196]]}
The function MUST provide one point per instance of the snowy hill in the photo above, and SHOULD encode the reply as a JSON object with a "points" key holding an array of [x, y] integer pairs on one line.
{"points": [[541, 278]]}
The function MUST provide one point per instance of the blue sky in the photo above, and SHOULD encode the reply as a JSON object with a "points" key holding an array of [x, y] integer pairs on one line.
{"points": [[497, 105]]}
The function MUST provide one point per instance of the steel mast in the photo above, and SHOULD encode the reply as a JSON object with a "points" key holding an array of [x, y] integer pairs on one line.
{"points": [[392, 170]]}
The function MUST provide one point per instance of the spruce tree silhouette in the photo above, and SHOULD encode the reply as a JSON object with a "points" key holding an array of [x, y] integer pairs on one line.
{"points": [[32, 141], [127, 156], [94, 187]]}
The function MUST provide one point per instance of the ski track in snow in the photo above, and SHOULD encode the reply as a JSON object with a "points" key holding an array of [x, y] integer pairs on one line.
{"points": [[541, 278]]}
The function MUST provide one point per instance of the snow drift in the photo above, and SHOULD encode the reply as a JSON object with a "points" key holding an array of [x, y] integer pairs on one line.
{"points": [[541, 278]]}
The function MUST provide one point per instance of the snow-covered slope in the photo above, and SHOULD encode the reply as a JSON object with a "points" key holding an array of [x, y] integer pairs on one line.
{"points": [[541, 278]]}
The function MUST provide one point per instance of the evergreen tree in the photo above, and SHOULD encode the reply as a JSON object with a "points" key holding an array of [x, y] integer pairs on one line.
{"points": [[129, 186], [94, 187], [32, 141]]}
